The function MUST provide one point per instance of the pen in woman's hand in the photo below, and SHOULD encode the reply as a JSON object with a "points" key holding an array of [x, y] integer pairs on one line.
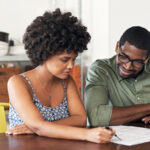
{"points": [[107, 127]]}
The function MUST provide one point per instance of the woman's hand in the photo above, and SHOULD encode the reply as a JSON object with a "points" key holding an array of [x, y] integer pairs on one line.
{"points": [[99, 135], [19, 129]]}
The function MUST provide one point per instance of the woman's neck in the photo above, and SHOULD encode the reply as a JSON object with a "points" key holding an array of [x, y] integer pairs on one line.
{"points": [[44, 76]]}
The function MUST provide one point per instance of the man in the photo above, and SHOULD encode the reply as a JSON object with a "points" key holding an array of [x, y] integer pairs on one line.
{"points": [[118, 89]]}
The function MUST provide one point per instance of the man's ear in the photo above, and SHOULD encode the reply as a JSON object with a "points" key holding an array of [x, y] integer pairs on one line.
{"points": [[147, 59], [117, 47]]}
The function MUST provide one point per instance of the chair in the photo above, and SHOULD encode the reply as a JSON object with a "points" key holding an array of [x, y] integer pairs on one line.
{"points": [[3, 124], [5, 74], [76, 74]]}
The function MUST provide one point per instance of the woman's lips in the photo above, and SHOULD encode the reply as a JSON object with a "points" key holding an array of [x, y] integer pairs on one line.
{"points": [[66, 73]]}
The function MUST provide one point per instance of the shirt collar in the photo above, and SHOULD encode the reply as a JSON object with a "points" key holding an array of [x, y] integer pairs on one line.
{"points": [[114, 66], [147, 67]]}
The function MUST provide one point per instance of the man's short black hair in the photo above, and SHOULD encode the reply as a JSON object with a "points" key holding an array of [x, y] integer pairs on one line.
{"points": [[137, 36], [52, 33]]}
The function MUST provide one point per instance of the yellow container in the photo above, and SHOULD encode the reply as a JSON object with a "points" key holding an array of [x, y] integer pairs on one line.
{"points": [[3, 125]]}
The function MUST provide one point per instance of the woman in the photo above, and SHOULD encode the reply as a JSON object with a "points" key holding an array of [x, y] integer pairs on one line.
{"points": [[45, 100]]}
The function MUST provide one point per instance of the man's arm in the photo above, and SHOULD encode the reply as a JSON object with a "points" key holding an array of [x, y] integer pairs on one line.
{"points": [[96, 102], [96, 97], [98, 110], [122, 115], [101, 114]]}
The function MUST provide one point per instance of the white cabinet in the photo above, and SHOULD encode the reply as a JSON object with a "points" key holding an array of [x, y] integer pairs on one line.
{"points": [[14, 58]]}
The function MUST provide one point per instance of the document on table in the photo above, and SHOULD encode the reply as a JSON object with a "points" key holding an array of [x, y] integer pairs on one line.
{"points": [[131, 135]]}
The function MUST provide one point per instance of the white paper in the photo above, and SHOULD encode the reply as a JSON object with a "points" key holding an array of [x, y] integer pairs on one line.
{"points": [[131, 135]]}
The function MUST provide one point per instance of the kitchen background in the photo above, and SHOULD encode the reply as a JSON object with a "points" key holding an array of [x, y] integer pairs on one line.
{"points": [[106, 21]]}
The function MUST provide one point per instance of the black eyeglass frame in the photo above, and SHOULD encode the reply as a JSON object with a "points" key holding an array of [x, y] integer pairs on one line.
{"points": [[135, 63]]}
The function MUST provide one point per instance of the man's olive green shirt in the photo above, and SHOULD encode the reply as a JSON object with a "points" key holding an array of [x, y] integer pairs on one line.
{"points": [[105, 89]]}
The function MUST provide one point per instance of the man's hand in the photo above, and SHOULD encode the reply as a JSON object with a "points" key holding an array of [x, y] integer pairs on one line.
{"points": [[19, 129], [146, 120]]}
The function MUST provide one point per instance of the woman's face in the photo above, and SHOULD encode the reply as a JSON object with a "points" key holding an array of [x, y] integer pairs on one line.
{"points": [[60, 65]]}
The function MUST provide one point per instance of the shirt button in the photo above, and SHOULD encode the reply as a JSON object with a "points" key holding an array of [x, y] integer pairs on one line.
{"points": [[135, 80], [138, 98]]}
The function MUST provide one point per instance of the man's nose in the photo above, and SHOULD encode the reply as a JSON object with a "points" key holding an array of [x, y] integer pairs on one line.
{"points": [[129, 65]]}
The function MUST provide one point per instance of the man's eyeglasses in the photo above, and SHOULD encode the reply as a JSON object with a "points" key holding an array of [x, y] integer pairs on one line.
{"points": [[135, 63]]}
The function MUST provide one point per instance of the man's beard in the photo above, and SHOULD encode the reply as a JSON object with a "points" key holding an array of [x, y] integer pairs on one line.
{"points": [[131, 75]]}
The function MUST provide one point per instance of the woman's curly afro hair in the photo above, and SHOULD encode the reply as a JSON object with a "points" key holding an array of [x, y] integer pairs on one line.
{"points": [[53, 33]]}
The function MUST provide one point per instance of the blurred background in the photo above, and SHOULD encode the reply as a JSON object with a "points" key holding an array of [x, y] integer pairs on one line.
{"points": [[106, 20]]}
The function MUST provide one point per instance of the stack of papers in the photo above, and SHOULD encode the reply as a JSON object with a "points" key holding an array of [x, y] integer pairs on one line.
{"points": [[131, 135]]}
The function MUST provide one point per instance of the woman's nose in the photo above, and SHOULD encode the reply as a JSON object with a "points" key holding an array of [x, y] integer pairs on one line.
{"points": [[70, 65]]}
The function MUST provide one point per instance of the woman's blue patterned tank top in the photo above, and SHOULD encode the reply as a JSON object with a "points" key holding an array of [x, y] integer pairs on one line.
{"points": [[48, 113]]}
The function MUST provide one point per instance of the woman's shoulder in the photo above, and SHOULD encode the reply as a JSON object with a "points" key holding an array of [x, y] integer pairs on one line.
{"points": [[15, 78], [17, 81], [20, 77]]}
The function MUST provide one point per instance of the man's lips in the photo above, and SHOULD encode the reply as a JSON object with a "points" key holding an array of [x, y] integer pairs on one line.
{"points": [[125, 72]]}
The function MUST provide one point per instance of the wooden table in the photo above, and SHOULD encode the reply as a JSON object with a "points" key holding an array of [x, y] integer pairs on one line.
{"points": [[34, 142]]}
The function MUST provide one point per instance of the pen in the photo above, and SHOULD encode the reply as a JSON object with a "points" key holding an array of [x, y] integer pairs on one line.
{"points": [[107, 127]]}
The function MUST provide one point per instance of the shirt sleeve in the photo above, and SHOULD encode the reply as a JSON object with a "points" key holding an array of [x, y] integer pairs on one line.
{"points": [[97, 97]]}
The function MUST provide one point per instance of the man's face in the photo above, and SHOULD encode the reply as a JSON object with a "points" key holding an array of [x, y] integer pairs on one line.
{"points": [[130, 60]]}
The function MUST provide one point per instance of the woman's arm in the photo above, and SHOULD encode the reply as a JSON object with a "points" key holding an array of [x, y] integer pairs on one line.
{"points": [[97, 135], [77, 112], [21, 99], [76, 108]]}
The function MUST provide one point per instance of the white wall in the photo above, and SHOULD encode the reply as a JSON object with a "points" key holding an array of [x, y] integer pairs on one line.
{"points": [[16, 15], [106, 19], [124, 14], [95, 15]]}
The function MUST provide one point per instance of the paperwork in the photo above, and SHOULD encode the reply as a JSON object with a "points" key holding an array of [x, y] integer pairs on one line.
{"points": [[131, 135]]}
